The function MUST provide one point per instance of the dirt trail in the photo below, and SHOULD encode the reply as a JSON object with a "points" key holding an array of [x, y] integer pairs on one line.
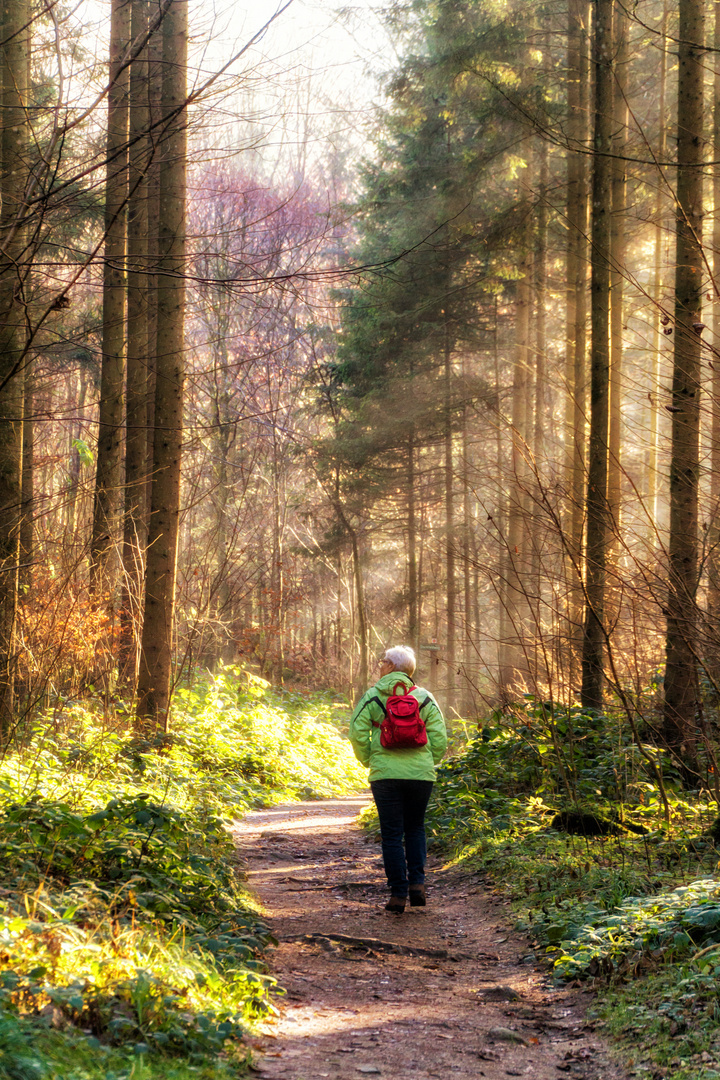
{"points": [[464, 999]]}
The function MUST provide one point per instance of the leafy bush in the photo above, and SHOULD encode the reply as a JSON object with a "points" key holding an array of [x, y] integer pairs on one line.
{"points": [[19, 1059], [121, 913], [668, 925], [495, 805], [620, 905]]}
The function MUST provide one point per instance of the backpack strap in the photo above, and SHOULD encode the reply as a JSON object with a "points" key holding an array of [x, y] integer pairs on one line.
{"points": [[377, 700]]}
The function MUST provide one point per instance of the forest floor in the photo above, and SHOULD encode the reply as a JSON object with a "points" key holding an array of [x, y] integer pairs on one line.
{"points": [[444, 990]]}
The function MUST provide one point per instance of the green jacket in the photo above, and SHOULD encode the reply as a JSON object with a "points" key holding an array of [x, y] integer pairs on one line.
{"points": [[417, 763]]}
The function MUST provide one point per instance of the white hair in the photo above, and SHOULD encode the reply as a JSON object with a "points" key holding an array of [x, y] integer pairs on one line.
{"points": [[402, 658]]}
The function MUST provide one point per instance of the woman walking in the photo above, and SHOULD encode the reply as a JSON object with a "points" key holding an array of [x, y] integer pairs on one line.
{"points": [[398, 731]]}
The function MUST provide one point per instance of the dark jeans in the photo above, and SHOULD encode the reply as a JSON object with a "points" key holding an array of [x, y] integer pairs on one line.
{"points": [[401, 806]]}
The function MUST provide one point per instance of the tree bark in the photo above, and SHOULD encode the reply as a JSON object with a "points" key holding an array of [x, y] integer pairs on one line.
{"points": [[449, 478], [105, 541], [541, 271], [155, 676], [14, 45], [713, 600], [138, 292], [618, 258], [513, 668], [413, 620], [597, 508], [155, 79], [469, 650], [540, 274], [502, 586], [658, 336], [681, 682], [578, 94], [27, 520]]}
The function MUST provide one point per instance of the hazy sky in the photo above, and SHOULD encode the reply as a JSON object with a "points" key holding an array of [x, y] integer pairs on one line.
{"points": [[303, 91], [317, 64], [341, 39]]}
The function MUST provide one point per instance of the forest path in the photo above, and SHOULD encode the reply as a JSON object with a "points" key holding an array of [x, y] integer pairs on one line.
{"points": [[469, 1002]]}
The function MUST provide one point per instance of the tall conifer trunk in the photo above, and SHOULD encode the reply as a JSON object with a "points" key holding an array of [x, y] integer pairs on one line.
{"points": [[658, 336], [138, 293], [502, 585], [541, 271], [597, 510], [108, 477], [155, 78], [513, 664], [536, 577], [469, 650], [27, 521], [618, 257], [713, 601], [14, 44], [681, 681], [155, 676], [449, 477], [576, 318], [413, 620]]}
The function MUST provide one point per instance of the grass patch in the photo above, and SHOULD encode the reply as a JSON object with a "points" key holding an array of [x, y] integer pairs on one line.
{"points": [[128, 946]]}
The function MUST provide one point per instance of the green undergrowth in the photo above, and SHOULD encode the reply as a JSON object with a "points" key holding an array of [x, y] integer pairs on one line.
{"points": [[636, 910], [128, 946]]}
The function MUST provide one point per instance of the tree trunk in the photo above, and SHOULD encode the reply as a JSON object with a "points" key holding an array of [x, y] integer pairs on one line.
{"points": [[362, 675], [618, 256], [105, 540], [277, 575], [469, 651], [597, 510], [713, 601], [658, 336], [155, 79], [413, 621], [502, 585], [538, 441], [450, 587], [138, 292], [27, 521], [541, 270], [154, 683], [681, 682], [578, 94], [14, 47], [514, 670]]}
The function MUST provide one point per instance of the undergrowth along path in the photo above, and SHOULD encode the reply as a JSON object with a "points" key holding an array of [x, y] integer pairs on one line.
{"points": [[445, 990]]}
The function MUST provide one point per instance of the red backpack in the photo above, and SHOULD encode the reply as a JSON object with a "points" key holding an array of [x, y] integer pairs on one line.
{"points": [[403, 727]]}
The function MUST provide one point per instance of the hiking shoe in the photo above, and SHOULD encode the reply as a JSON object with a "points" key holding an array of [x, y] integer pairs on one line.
{"points": [[417, 896], [396, 904]]}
